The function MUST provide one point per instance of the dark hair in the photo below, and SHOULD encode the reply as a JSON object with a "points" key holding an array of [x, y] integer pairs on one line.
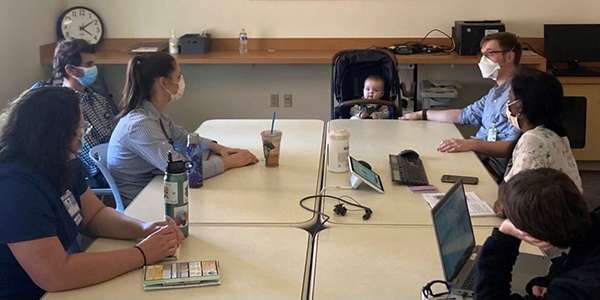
{"points": [[542, 98], [142, 70], [546, 204], [37, 128], [508, 42], [68, 52]]}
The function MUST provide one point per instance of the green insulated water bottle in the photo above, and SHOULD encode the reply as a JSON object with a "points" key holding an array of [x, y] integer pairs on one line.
{"points": [[176, 194]]}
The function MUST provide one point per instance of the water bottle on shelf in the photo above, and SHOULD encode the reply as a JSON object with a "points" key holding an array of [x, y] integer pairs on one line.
{"points": [[243, 42], [176, 194], [194, 155]]}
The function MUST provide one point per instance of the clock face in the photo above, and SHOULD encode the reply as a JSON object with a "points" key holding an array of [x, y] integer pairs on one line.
{"points": [[80, 23]]}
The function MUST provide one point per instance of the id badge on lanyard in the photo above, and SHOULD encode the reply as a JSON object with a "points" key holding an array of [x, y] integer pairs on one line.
{"points": [[492, 135], [72, 207]]}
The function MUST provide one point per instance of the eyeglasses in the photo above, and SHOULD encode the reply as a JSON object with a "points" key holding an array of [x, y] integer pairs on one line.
{"points": [[86, 127], [487, 53]]}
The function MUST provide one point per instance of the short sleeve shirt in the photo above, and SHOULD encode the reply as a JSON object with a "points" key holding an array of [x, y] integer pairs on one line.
{"points": [[32, 209]]}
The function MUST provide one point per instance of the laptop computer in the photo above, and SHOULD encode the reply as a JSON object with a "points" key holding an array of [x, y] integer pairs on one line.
{"points": [[458, 252]]}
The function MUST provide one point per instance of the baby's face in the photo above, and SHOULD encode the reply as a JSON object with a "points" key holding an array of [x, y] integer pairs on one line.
{"points": [[373, 89]]}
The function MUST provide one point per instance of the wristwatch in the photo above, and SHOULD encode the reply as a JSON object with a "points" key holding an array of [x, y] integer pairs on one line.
{"points": [[424, 114]]}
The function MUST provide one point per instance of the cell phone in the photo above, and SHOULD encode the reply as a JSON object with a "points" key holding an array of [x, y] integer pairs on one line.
{"points": [[455, 178]]}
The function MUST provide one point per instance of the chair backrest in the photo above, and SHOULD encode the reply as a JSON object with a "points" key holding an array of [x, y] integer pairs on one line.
{"points": [[99, 154], [574, 120], [352, 67]]}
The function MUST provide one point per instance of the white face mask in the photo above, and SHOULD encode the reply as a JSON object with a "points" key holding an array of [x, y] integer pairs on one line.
{"points": [[489, 69], [514, 120], [180, 90]]}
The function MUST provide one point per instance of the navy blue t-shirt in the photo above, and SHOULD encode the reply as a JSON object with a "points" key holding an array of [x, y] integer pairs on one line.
{"points": [[32, 209]]}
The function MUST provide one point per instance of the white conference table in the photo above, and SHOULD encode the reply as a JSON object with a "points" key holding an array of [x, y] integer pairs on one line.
{"points": [[254, 194], [373, 141], [379, 262], [256, 263]]}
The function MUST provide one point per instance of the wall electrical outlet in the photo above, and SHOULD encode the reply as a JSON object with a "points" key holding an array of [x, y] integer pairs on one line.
{"points": [[287, 100], [274, 100]]}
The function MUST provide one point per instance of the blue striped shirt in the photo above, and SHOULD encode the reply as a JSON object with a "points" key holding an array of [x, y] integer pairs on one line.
{"points": [[138, 149], [489, 112]]}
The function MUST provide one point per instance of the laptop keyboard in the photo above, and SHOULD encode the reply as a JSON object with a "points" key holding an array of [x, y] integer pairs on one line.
{"points": [[469, 281], [408, 171]]}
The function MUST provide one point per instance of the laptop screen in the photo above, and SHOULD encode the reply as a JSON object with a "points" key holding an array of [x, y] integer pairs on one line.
{"points": [[453, 230]]}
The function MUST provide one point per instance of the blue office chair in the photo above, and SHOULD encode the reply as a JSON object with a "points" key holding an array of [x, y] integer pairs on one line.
{"points": [[98, 154]]}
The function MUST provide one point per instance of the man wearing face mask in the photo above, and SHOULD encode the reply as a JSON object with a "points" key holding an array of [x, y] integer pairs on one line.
{"points": [[74, 65], [501, 54]]}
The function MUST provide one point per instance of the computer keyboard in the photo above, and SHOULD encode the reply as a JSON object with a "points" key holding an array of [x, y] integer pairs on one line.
{"points": [[408, 171], [469, 281]]}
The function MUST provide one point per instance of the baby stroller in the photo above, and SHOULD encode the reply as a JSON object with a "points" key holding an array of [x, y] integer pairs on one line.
{"points": [[351, 68]]}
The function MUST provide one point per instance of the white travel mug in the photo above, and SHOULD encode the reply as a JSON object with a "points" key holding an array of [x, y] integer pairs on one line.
{"points": [[338, 149]]}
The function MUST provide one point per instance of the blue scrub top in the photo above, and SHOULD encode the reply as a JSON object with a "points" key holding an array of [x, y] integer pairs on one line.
{"points": [[32, 209]]}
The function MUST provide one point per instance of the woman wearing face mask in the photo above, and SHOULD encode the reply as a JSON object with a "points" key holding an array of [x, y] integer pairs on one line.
{"points": [[535, 107], [144, 134], [45, 205]]}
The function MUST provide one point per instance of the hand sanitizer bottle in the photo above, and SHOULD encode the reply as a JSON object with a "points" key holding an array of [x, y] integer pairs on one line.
{"points": [[173, 43]]}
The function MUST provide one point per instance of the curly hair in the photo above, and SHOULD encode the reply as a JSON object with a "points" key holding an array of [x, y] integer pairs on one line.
{"points": [[68, 52], [37, 128]]}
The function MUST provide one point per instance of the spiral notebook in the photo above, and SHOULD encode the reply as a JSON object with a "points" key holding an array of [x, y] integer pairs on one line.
{"points": [[181, 275]]}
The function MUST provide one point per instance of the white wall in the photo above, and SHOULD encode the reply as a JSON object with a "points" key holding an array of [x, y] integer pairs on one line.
{"points": [[24, 26], [242, 91]]}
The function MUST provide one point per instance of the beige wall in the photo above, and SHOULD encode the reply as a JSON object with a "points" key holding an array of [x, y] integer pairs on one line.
{"points": [[24, 26], [234, 91], [329, 18]]}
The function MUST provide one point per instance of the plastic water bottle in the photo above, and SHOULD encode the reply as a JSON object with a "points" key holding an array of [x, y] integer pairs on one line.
{"points": [[176, 194], [194, 155], [243, 42], [173, 43]]}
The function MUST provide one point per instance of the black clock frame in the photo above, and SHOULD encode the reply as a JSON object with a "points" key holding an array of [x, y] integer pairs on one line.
{"points": [[59, 33]]}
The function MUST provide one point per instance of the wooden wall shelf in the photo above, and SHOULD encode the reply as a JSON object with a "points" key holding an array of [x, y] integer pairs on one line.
{"points": [[286, 51]]}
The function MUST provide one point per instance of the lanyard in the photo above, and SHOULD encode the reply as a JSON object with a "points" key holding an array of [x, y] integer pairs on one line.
{"points": [[165, 132]]}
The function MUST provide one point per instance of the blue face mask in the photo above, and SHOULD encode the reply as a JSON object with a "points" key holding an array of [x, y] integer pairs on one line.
{"points": [[89, 75]]}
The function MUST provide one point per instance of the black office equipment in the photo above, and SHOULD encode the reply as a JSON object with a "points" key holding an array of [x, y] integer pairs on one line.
{"points": [[195, 43], [407, 168], [468, 34], [572, 44], [575, 117]]}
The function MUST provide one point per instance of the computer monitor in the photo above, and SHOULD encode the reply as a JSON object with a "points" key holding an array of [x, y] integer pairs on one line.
{"points": [[572, 43]]}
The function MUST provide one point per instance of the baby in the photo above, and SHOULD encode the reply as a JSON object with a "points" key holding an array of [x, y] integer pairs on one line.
{"points": [[374, 89]]}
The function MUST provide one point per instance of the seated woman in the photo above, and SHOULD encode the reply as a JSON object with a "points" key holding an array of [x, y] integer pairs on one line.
{"points": [[144, 135], [535, 107], [45, 205]]}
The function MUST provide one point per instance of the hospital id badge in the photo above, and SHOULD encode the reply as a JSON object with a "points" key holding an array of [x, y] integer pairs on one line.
{"points": [[72, 207], [492, 134]]}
